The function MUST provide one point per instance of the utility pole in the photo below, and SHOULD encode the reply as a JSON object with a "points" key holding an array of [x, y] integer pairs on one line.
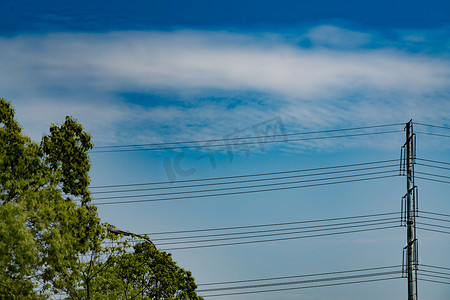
{"points": [[411, 210]]}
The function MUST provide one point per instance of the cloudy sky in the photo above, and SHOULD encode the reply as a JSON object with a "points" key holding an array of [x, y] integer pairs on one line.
{"points": [[149, 72]]}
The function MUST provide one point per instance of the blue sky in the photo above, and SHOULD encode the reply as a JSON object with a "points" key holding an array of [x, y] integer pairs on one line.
{"points": [[164, 71]]}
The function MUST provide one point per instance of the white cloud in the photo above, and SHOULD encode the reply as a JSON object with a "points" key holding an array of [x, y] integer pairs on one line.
{"points": [[84, 74], [179, 60], [327, 35]]}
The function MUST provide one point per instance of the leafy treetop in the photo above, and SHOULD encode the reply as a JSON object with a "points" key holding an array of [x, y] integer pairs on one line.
{"points": [[49, 244]]}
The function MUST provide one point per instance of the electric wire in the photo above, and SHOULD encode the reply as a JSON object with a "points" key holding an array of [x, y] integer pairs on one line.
{"points": [[257, 241], [427, 217], [433, 230], [433, 161], [314, 280], [245, 187], [299, 276], [244, 181], [275, 234], [298, 282], [431, 166], [435, 267], [434, 276], [433, 134], [246, 192], [266, 233], [286, 277], [435, 126], [278, 239], [263, 240], [272, 224], [432, 218], [335, 224], [273, 230], [246, 138], [246, 175], [431, 174], [263, 136], [260, 179], [434, 213], [435, 281], [244, 143], [431, 179], [433, 273], [434, 225], [303, 287]]}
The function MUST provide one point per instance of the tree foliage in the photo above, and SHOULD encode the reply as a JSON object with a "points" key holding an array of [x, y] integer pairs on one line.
{"points": [[50, 233], [146, 273]]}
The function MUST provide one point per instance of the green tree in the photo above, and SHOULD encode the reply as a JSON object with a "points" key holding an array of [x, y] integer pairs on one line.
{"points": [[42, 228], [50, 233], [145, 273]]}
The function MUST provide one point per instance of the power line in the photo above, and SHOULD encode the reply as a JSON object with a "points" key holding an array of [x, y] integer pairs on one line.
{"points": [[434, 225], [431, 174], [433, 134], [299, 276], [435, 126], [246, 175], [244, 138], [434, 213], [435, 219], [271, 235], [440, 274], [435, 281], [435, 267], [272, 224], [246, 192], [245, 143], [278, 239], [434, 230], [299, 282], [245, 187], [433, 272], [431, 166], [273, 230], [434, 161], [421, 270], [373, 218], [303, 287], [275, 234], [245, 181], [430, 179]]}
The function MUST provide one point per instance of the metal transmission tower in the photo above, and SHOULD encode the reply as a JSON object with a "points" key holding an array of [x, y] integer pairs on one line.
{"points": [[409, 211]]}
